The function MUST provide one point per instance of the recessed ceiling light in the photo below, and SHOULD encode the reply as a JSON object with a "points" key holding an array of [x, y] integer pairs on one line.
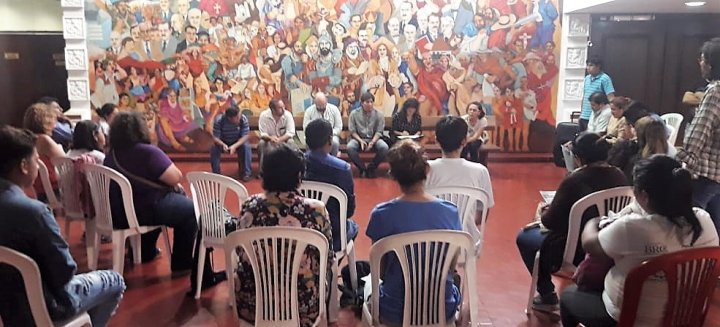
{"points": [[695, 3]]}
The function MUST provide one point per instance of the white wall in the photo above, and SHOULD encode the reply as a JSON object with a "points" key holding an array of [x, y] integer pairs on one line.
{"points": [[30, 16]]}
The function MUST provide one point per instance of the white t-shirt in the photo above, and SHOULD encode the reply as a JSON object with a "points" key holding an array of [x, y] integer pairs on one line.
{"points": [[461, 172], [479, 125], [633, 239], [95, 154]]}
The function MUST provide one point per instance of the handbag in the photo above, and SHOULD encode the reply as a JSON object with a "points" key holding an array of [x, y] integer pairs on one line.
{"points": [[170, 189]]}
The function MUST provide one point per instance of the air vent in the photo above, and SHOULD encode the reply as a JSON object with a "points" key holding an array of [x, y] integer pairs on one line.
{"points": [[627, 18]]}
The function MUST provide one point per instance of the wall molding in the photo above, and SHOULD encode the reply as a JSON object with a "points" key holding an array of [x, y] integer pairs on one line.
{"points": [[76, 58], [573, 54]]}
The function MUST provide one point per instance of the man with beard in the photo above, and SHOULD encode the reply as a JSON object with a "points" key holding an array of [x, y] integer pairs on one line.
{"points": [[363, 41], [432, 86], [353, 65], [293, 68], [326, 75]]}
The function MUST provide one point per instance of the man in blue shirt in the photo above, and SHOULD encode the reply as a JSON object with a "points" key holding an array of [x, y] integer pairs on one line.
{"points": [[323, 167], [230, 133], [595, 81], [29, 227]]}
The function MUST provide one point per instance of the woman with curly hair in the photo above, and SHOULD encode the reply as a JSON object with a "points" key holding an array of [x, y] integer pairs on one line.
{"points": [[41, 119]]}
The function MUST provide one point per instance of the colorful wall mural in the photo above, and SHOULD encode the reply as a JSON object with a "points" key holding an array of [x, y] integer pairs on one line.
{"points": [[183, 62]]}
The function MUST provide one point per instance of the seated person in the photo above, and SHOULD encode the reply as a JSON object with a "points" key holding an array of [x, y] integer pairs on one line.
{"points": [[154, 180], [549, 237], [282, 205], [230, 134], [414, 210], [28, 226], [476, 122], [661, 217], [617, 127], [106, 113], [41, 120], [63, 132], [453, 170], [321, 166], [89, 140], [651, 139], [276, 125], [601, 113], [366, 127], [321, 109], [407, 121]]}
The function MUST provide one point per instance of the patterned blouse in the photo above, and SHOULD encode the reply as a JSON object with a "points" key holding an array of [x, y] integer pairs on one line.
{"points": [[284, 209], [400, 123]]}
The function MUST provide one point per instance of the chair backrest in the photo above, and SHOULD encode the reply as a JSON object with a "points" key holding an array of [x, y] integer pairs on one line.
{"points": [[691, 276], [69, 190], [33, 283], [275, 254], [99, 178], [466, 199], [614, 199], [208, 194], [44, 173], [324, 192], [673, 120], [425, 258]]}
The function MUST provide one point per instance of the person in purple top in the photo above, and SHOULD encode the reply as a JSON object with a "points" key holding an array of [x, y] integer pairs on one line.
{"points": [[153, 177]]}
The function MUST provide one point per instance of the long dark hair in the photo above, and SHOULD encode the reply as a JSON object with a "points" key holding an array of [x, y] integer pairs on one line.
{"points": [[128, 129], [669, 190], [84, 136]]}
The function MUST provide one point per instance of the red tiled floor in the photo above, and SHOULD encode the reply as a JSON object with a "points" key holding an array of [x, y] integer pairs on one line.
{"points": [[154, 298]]}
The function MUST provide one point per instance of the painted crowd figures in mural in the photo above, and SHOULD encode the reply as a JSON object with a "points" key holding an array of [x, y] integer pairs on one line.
{"points": [[183, 62]]}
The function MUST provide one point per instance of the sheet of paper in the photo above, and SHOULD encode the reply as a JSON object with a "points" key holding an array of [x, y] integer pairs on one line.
{"points": [[547, 196]]}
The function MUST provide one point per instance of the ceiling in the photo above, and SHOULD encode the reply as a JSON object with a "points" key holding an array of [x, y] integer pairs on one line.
{"points": [[650, 7]]}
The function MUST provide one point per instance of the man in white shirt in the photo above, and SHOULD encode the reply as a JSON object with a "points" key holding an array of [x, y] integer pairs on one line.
{"points": [[452, 170], [601, 113], [276, 126], [321, 109]]}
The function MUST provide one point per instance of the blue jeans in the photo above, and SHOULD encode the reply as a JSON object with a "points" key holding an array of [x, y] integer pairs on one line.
{"points": [[706, 195], [353, 149], [529, 241], [244, 157], [176, 211], [97, 292]]}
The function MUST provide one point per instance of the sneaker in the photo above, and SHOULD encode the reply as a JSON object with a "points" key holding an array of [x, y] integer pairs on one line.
{"points": [[546, 303], [247, 178]]}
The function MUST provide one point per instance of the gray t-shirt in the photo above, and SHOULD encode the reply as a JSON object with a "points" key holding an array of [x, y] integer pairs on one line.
{"points": [[366, 125]]}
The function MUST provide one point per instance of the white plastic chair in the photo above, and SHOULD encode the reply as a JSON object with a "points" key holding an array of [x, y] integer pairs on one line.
{"points": [[614, 199], [71, 205], [44, 173], [99, 177], [34, 290], [425, 280], [324, 192], [466, 200], [208, 194], [276, 274], [673, 120]]}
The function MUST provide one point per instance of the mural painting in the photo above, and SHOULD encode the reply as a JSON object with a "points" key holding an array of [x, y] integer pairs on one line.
{"points": [[183, 62]]}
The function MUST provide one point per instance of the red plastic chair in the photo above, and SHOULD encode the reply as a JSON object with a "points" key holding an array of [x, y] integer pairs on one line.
{"points": [[691, 276]]}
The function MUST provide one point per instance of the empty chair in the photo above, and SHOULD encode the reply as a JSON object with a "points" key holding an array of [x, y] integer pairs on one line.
{"points": [[614, 199], [426, 258], [99, 178], [208, 194], [690, 275], [673, 120], [276, 255], [34, 290], [467, 199]]}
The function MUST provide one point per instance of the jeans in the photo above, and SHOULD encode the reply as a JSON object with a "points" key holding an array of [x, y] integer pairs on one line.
{"points": [[584, 307], [353, 149], [472, 148], [97, 292], [244, 157], [335, 145], [176, 211], [706, 195], [529, 241]]}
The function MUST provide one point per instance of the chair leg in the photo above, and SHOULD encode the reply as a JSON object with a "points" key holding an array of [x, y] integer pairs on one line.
{"points": [[334, 302], [67, 230], [91, 244], [167, 241], [118, 239], [533, 284], [135, 244], [353, 268], [200, 266]]}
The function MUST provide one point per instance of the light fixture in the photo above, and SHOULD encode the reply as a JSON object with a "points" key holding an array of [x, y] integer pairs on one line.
{"points": [[695, 3]]}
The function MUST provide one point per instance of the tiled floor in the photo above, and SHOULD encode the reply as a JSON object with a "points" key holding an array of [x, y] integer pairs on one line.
{"points": [[154, 298]]}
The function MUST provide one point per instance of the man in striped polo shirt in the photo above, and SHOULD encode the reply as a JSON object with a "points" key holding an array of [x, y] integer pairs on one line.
{"points": [[595, 81], [230, 134]]}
